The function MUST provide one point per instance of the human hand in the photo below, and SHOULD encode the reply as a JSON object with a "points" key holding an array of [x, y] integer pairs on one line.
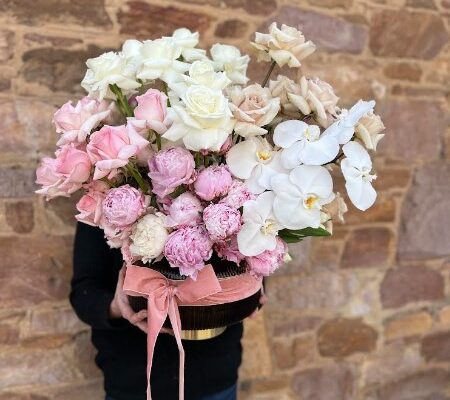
{"points": [[120, 306]]}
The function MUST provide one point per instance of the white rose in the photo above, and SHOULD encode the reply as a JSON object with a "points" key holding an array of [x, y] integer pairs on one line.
{"points": [[284, 46], [282, 87], [160, 60], [148, 237], [185, 40], [131, 50], [229, 59], [109, 69], [204, 122]]}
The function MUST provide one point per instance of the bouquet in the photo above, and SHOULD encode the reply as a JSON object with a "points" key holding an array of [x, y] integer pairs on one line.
{"points": [[180, 159]]}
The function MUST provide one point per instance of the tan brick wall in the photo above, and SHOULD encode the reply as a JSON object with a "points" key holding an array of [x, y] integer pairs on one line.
{"points": [[364, 315]]}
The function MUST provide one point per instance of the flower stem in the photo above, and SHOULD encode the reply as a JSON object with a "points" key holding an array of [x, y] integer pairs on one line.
{"points": [[158, 141], [269, 72], [108, 182], [137, 177], [121, 101]]}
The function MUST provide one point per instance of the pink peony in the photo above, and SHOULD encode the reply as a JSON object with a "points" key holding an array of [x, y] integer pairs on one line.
{"points": [[169, 169], [122, 206], [228, 250], [152, 107], [213, 182], [221, 221], [90, 205], [111, 147], [237, 195], [187, 249], [184, 211], [268, 261], [76, 123]]}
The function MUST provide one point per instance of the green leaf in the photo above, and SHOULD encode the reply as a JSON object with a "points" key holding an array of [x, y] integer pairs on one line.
{"points": [[294, 236]]}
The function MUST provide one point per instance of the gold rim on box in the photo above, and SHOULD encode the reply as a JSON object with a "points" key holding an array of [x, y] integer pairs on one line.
{"points": [[205, 322]]}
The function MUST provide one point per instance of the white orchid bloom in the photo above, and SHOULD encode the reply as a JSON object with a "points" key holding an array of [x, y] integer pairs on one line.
{"points": [[260, 228], [255, 161], [186, 41], [344, 128], [203, 121], [229, 59], [160, 60], [300, 196], [303, 144], [356, 168]]}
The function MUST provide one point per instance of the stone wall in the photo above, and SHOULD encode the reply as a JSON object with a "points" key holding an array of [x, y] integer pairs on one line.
{"points": [[364, 315]]}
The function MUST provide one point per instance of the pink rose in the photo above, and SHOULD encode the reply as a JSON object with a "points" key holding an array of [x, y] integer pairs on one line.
{"points": [[228, 250], [74, 165], [76, 123], [90, 205], [169, 169], [267, 262], [221, 221], [184, 211], [237, 195], [116, 238], [49, 179], [140, 128], [111, 147], [187, 249], [152, 107], [122, 206], [213, 182]]}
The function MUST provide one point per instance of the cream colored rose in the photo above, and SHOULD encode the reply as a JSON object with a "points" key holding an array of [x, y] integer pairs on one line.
{"points": [[148, 237], [253, 107], [186, 41], [316, 97], [369, 130], [284, 46], [109, 69], [337, 208], [203, 121], [281, 88], [229, 59]]}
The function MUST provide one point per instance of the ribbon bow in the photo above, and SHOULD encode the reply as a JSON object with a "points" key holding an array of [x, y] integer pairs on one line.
{"points": [[163, 300]]}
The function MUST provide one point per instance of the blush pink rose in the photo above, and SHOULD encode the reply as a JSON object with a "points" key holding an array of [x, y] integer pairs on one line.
{"points": [[74, 165], [122, 206], [187, 249], [49, 179], [213, 182], [90, 205], [221, 221], [237, 195], [111, 147], [184, 211], [152, 108], [228, 250], [76, 123], [169, 169], [267, 262]]}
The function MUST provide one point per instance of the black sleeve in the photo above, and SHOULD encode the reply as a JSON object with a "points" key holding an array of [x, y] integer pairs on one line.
{"points": [[91, 295]]}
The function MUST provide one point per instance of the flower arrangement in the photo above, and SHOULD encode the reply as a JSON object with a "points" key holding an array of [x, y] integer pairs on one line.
{"points": [[179, 157]]}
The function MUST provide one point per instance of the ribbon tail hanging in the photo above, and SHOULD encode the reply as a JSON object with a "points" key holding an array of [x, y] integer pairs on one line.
{"points": [[174, 316]]}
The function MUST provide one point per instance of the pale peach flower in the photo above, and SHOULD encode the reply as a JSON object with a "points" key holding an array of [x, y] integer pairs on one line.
{"points": [[253, 107], [369, 130], [316, 97], [281, 88], [284, 46]]}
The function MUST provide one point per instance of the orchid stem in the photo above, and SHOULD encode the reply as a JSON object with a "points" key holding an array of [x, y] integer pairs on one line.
{"points": [[269, 72]]}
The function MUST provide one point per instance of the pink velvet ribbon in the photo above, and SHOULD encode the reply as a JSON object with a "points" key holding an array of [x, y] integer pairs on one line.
{"points": [[165, 295]]}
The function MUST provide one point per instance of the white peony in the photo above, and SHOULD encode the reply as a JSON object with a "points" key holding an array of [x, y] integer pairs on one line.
{"points": [[344, 128], [303, 144], [160, 61], [284, 46], [109, 69], [316, 97], [229, 59], [356, 168], [148, 237], [369, 130], [204, 122], [260, 228], [255, 161], [299, 196], [186, 41]]}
